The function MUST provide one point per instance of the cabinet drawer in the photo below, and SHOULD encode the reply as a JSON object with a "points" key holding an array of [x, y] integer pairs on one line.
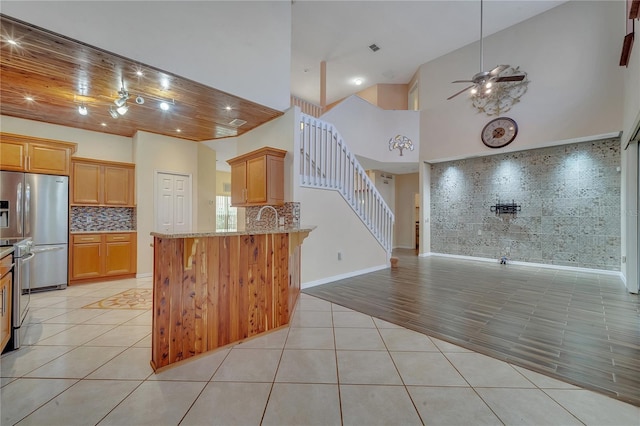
{"points": [[86, 238], [118, 237]]}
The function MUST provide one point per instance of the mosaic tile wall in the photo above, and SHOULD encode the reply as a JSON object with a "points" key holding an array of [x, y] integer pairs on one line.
{"points": [[89, 219], [570, 206], [289, 211]]}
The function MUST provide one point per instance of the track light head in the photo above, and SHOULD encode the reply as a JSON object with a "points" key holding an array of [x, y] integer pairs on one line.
{"points": [[113, 113]]}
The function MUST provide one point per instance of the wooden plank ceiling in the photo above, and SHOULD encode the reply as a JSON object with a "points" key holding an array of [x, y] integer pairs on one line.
{"points": [[59, 74]]}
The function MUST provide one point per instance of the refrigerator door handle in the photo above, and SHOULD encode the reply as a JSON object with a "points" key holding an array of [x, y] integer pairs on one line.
{"points": [[41, 250], [27, 209], [19, 207]]}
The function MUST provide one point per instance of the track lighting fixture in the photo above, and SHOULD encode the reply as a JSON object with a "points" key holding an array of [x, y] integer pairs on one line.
{"points": [[122, 110], [82, 110], [121, 106]]}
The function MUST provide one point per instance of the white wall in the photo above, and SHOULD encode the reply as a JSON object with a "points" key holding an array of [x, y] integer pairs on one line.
{"points": [[339, 229], [630, 172], [405, 211], [194, 39], [277, 133], [90, 144], [571, 55], [366, 129], [165, 154], [207, 188]]}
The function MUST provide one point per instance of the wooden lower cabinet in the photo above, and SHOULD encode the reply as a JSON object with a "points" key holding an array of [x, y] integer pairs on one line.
{"points": [[6, 284], [120, 255], [103, 255]]}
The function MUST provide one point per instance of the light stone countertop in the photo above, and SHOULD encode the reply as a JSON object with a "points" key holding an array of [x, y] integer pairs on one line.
{"points": [[4, 251], [222, 233]]}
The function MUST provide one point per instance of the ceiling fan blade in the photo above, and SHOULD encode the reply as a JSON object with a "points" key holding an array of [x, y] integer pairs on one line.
{"points": [[462, 91], [497, 70], [463, 81], [510, 78]]}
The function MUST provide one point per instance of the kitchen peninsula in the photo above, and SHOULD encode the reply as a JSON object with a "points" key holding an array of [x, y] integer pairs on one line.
{"points": [[211, 289]]}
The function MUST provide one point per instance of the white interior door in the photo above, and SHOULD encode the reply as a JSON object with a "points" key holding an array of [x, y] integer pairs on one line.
{"points": [[173, 202]]}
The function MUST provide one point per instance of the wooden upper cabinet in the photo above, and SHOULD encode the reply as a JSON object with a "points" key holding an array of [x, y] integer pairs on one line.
{"points": [[103, 183], [257, 178], [85, 183], [35, 155]]}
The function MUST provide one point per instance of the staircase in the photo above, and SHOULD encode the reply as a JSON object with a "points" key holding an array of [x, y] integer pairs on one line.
{"points": [[327, 163]]}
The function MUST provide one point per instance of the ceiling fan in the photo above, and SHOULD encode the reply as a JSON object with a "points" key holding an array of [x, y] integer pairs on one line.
{"points": [[483, 80]]}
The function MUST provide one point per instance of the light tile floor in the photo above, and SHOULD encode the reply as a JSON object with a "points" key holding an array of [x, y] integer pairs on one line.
{"points": [[332, 366]]}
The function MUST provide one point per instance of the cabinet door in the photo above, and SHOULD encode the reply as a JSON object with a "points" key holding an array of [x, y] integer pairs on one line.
{"points": [[118, 258], [275, 180], [5, 316], [118, 186], [238, 184], [86, 184], [48, 160], [256, 180], [86, 260], [12, 156]]}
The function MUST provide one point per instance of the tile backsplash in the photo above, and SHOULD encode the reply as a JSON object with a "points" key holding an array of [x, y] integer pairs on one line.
{"points": [[90, 219], [569, 197], [290, 212]]}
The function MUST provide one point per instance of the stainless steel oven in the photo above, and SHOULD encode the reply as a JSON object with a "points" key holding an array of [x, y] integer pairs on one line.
{"points": [[22, 255]]}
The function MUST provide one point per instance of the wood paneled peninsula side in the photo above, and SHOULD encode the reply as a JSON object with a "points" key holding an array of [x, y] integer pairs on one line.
{"points": [[211, 289]]}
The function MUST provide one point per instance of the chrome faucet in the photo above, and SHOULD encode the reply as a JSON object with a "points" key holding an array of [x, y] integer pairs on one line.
{"points": [[272, 208]]}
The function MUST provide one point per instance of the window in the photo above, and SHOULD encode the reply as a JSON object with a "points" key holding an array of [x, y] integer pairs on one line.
{"points": [[226, 216]]}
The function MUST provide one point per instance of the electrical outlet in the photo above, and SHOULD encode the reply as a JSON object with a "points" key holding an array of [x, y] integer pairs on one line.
{"points": [[624, 259], [339, 255]]}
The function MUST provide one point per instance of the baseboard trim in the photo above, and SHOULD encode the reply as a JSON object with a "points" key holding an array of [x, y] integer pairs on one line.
{"points": [[538, 265], [342, 276], [144, 275]]}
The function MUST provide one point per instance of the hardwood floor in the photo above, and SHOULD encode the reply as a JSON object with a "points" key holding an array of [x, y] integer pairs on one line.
{"points": [[582, 328]]}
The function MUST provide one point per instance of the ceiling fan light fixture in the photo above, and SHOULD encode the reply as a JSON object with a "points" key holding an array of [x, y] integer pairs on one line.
{"points": [[488, 85], [474, 91]]}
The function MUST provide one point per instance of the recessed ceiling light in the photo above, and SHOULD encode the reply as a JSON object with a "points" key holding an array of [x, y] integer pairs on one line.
{"points": [[164, 106], [358, 81], [103, 124], [228, 108], [29, 98], [139, 73], [178, 130], [12, 42]]}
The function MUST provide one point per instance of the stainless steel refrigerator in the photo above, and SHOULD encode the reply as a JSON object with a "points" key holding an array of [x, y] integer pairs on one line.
{"points": [[37, 206]]}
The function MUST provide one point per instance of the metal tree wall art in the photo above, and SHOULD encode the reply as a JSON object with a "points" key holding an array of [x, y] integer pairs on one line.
{"points": [[401, 143]]}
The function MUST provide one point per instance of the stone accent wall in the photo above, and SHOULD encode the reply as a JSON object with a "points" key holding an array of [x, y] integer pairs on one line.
{"points": [[90, 219], [569, 197]]}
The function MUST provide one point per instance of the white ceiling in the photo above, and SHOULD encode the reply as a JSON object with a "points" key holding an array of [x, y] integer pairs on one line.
{"points": [[409, 33]]}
